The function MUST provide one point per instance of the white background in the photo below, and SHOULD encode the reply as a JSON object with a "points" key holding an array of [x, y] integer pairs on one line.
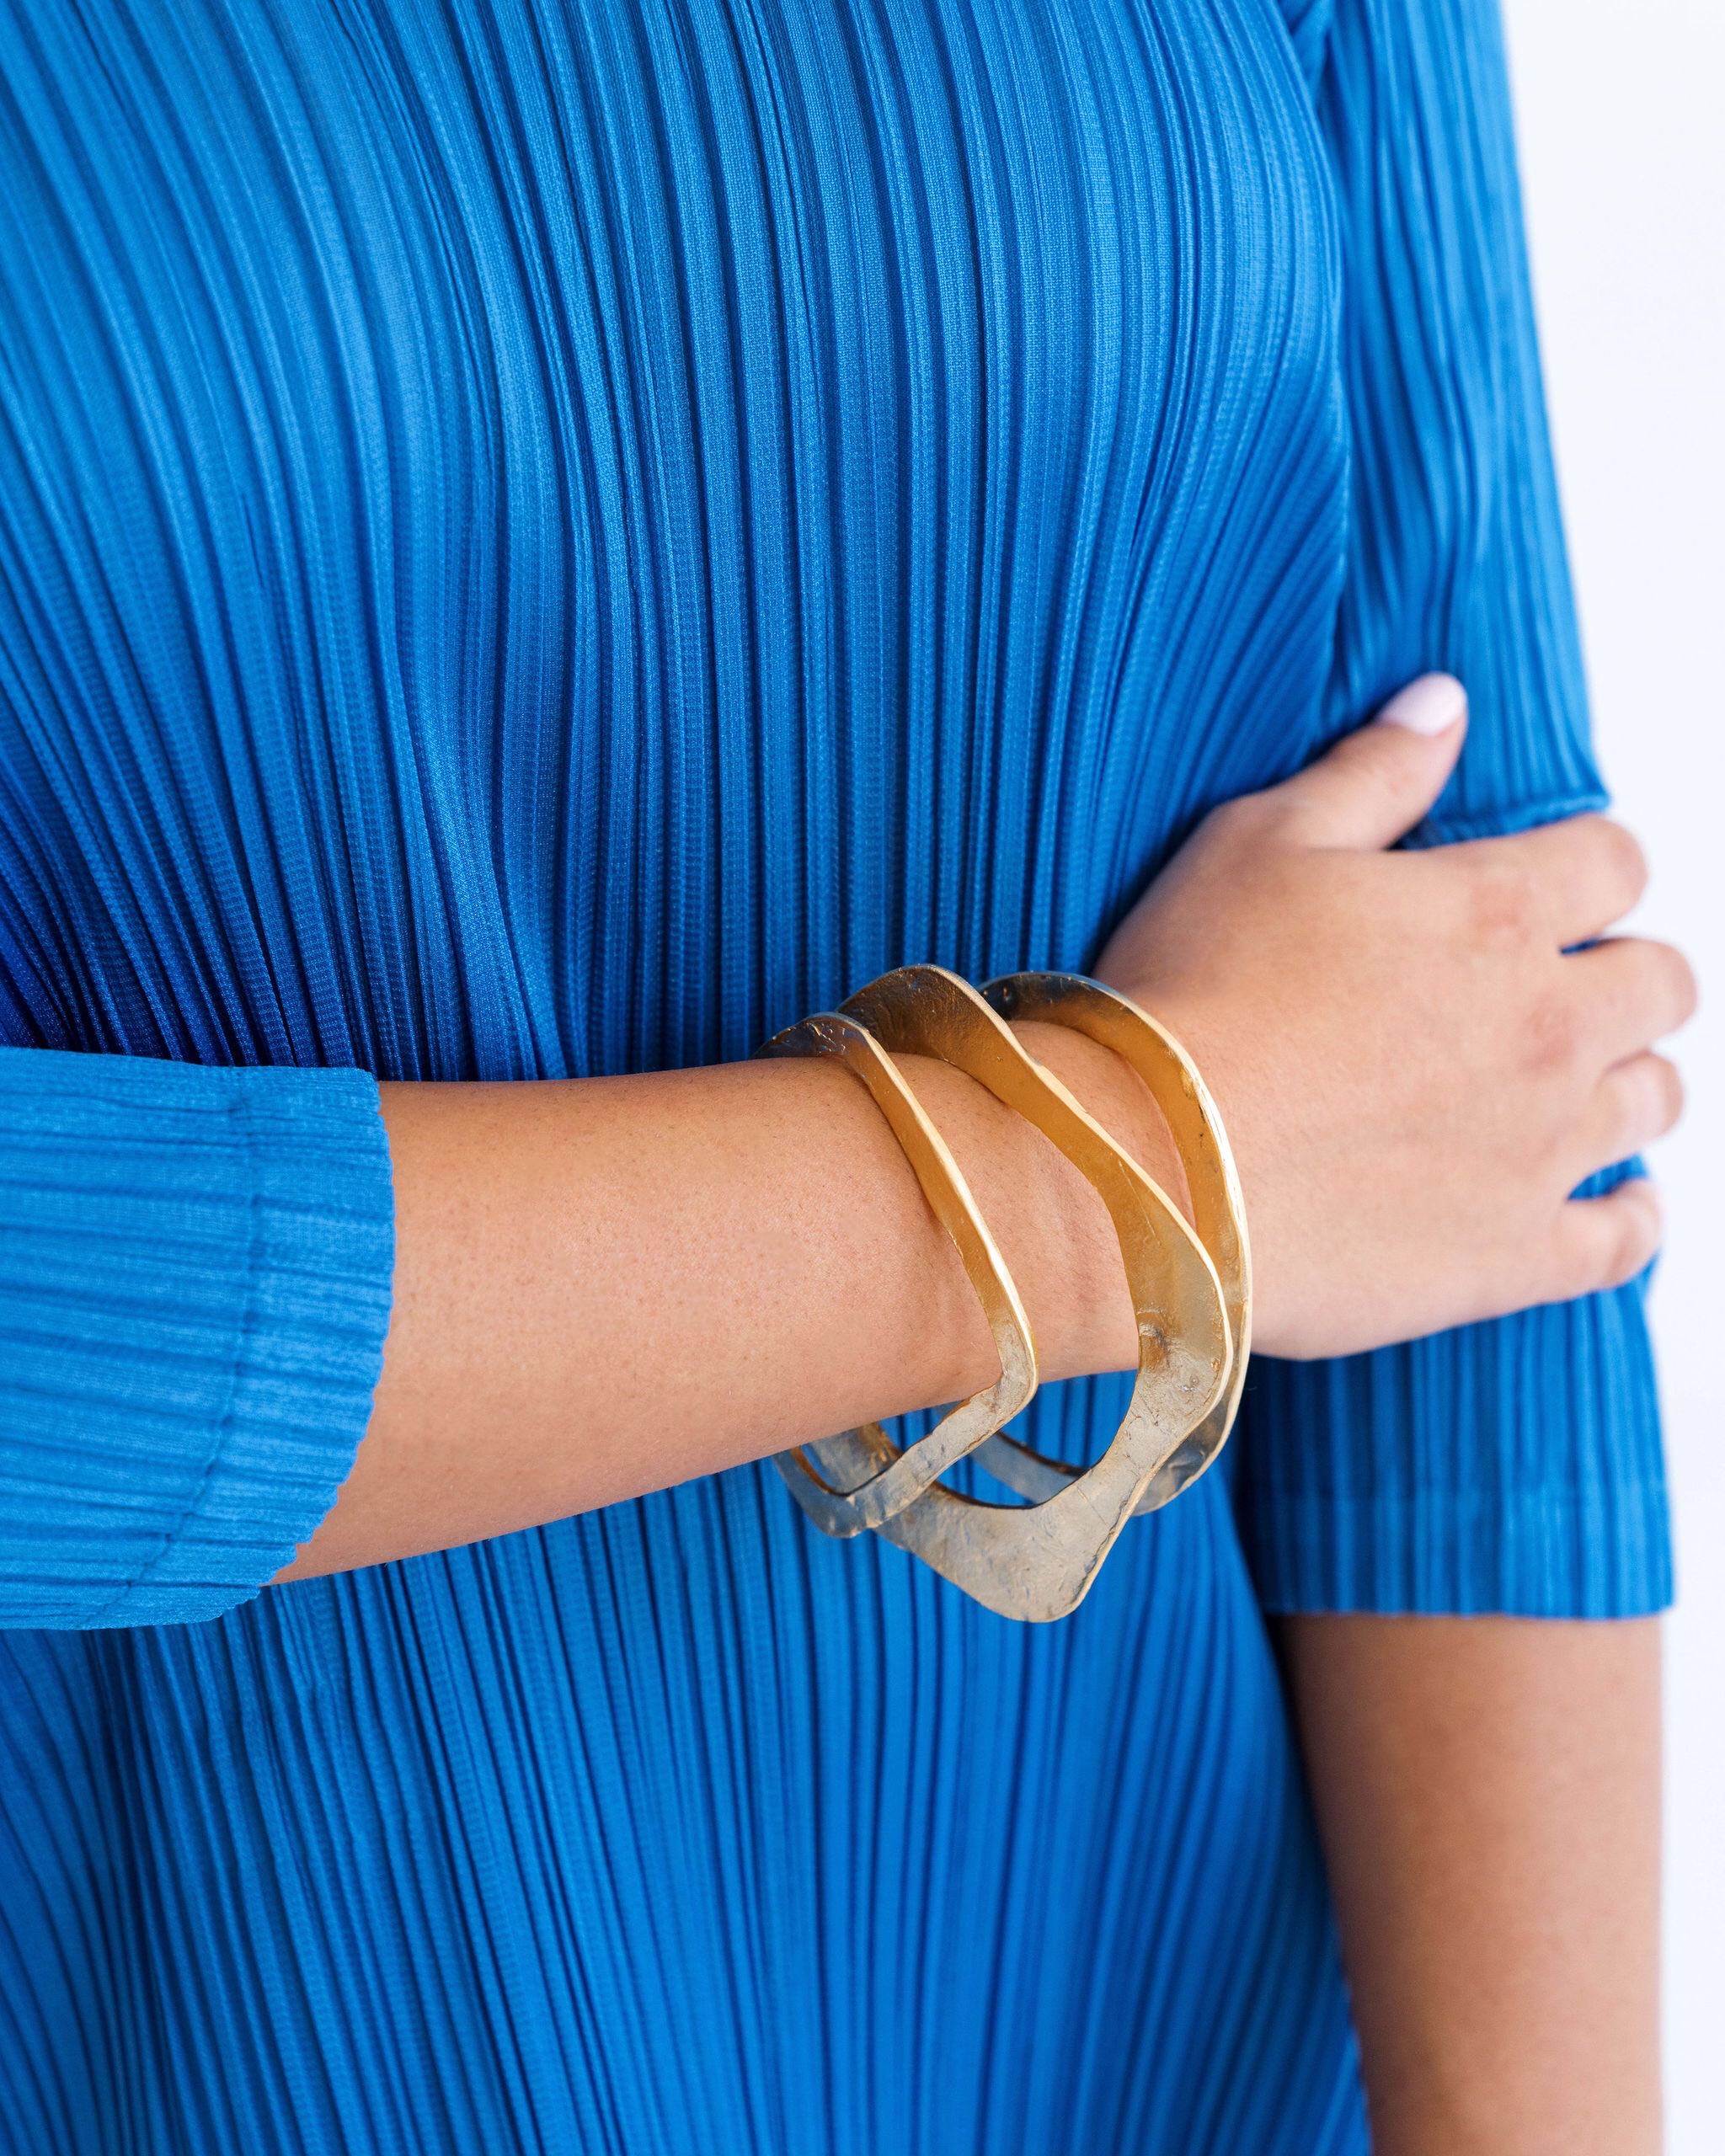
{"points": [[1623, 164]]}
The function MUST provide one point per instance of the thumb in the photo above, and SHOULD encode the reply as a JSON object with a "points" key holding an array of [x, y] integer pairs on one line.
{"points": [[1374, 785]]}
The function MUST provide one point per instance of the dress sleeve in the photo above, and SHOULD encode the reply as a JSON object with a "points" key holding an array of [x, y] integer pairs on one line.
{"points": [[1513, 1466], [195, 1272]]}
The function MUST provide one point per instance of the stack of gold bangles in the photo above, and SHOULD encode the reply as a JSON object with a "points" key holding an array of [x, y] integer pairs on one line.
{"points": [[1036, 1560]]}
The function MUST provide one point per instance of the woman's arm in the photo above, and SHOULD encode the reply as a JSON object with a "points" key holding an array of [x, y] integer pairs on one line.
{"points": [[605, 1286], [611, 1285], [1488, 1795]]}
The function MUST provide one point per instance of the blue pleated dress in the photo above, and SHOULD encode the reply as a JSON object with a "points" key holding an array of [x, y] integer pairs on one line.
{"points": [[544, 537]]}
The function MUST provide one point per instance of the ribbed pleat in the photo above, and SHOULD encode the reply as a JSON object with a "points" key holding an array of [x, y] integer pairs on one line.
{"points": [[194, 1290], [541, 539], [1514, 1466], [1429, 1478]]}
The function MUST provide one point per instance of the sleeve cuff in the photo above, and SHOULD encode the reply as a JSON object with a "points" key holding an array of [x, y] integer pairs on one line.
{"points": [[194, 1288], [1513, 1468]]}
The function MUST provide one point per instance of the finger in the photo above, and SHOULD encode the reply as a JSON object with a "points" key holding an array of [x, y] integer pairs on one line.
{"points": [[1601, 1242], [1585, 873], [1635, 992], [1375, 784], [1637, 1100]]}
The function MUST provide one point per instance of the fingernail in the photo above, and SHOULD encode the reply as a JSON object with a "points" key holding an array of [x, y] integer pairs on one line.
{"points": [[1430, 705]]}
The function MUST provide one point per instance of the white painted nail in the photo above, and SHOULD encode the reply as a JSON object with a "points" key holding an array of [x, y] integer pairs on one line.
{"points": [[1430, 705]]}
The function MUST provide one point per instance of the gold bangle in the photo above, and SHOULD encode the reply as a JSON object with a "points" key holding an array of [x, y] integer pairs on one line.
{"points": [[878, 1478], [1036, 1561], [1218, 1208]]}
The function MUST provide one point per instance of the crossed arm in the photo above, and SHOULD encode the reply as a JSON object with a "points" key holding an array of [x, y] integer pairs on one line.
{"points": [[669, 1252]]}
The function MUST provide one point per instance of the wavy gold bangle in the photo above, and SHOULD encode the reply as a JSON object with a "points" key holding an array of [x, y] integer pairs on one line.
{"points": [[1036, 1561], [861, 1480], [1218, 1208]]}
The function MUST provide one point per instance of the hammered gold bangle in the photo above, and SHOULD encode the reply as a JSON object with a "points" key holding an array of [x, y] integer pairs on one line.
{"points": [[862, 1480], [1218, 1209], [1036, 1561]]}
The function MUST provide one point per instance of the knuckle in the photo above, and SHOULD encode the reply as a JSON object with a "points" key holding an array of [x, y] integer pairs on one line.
{"points": [[1647, 1096], [1554, 1033], [1625, 859], [1603, 1242], [1503, 900], [1615, 852]]}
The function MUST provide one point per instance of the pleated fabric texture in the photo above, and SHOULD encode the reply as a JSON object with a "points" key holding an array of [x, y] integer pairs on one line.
{"points": [[546, 539], [193, 1284]]}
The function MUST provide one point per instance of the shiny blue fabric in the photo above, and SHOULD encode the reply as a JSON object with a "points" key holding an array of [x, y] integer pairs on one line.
{"points": [[545, 539]]}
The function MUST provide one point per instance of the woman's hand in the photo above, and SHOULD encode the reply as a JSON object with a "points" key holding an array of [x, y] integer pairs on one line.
{"points": [[1413, 1074]]}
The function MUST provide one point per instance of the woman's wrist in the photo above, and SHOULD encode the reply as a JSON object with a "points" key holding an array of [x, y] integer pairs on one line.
{"points": [[1099, 1331], [1052, 1228], [605, 1286]]}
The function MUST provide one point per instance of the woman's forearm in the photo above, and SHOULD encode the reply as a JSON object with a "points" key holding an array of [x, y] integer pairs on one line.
{"points": [[609, 1285], [606, 1286], [1489, 1795]]}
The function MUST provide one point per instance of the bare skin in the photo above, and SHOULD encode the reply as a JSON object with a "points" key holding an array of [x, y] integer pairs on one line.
{"points": [[1489, 1796], [1414, 1075], [608, 1286]]}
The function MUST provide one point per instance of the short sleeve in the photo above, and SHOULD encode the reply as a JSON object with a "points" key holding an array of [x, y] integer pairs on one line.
{"points": [[194, 1284], [1513, 1466]]}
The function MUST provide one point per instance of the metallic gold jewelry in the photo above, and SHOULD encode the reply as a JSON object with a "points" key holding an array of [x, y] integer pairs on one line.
{"points": [[1179, 1091], [1036, 1561], [898, 1476]]}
